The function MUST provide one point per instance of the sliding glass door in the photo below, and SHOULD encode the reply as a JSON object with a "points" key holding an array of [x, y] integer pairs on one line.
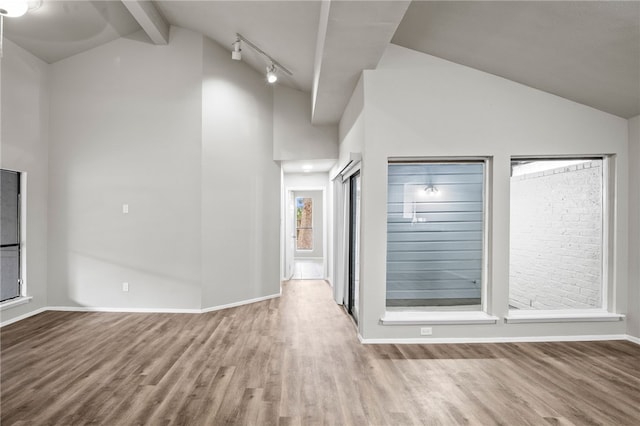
{"points": [[353, 301]]}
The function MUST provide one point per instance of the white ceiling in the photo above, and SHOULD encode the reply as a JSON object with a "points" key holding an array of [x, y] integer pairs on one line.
{"points": [[588, 52], [59, 29], [286, 30], [311, 166]]}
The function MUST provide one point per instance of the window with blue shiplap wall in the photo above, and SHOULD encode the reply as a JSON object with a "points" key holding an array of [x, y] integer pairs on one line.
{"points": [[435, 233]]}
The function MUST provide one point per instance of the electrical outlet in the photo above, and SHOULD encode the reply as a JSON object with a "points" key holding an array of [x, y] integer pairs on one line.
{"points": [[125, 286], [125, 208], [426, 331]]}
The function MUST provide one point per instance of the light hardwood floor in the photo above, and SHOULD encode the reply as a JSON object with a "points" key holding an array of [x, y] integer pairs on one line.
{"points": [[296, 360]]}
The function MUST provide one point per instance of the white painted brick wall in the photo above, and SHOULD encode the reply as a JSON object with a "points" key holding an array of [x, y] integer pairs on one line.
{"points": [[556, 238]]}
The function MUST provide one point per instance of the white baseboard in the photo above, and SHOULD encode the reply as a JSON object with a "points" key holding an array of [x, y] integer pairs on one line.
{"points": [[633, 339], [124, 310], [23, 316], [236, 304], [137, 310], [524, 339]]}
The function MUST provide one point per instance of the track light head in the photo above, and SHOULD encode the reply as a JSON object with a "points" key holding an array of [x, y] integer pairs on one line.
{"points": [[272, 77], [236, 55]]}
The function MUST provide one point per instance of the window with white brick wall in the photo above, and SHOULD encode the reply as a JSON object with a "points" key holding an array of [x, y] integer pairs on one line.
{"points": [[556, 238]]}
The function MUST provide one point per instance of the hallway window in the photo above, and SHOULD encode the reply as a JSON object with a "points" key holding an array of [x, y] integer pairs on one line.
{"points": [[556, 234], [435, 234], [304, 223], [10, 275]]}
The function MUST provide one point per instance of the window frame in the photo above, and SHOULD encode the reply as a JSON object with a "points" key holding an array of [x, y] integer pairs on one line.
{"points": [[425, 315], [606, 309], [22, 270]]}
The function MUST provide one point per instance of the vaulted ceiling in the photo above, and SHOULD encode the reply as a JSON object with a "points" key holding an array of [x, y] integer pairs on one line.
{"points": [[588, 52]]}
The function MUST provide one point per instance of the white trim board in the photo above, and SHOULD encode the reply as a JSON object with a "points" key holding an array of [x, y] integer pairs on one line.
{"points": [[633, 339], [138, 310], [15, 302], [535, 317], [244, 302], [23, 316], [442, 317], [123, 310], [524, 339]]}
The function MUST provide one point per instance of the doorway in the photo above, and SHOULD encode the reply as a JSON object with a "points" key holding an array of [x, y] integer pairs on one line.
{"points": [[305, 234]]}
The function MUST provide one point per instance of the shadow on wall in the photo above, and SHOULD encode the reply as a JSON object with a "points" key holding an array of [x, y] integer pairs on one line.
{"points": [[98, 282]]}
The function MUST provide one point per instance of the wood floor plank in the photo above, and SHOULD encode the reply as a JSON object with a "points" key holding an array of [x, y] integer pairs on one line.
{"points": [[296, 361]]}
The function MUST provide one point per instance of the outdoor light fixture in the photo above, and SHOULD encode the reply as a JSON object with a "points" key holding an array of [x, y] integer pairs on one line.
{"points": [[272, 77], [272, 65], [236, 55], [431, 190]]}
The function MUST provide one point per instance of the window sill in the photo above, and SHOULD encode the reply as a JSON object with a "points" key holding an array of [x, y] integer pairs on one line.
{"points": [[442, 318], [532, 317], [15, 302]]}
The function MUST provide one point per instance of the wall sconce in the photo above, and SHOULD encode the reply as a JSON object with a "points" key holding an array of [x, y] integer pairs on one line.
{"points": [[431, 190]]}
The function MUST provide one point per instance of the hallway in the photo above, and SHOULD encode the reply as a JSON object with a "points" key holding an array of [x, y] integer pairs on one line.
{"points": [[307, 269]]}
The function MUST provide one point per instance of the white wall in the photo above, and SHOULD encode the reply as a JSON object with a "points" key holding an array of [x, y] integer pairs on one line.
{"points": [[351, 127], [351, 134], [126, 128], [416, 105], [24, 147], [306, 180], [240, 183], [633, 318], [294, 137], [163, 129]]}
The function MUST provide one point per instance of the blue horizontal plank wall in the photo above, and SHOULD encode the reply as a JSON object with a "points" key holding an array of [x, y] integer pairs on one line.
{"points": [[434, 232]]}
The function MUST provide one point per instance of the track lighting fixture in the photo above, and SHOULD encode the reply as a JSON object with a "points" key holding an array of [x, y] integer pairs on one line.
{"points": [[272, 65], [272, 77], [236, 55]]}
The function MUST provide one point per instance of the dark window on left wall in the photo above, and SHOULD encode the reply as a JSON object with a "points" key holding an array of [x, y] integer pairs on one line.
{"points": [[10, 273]]}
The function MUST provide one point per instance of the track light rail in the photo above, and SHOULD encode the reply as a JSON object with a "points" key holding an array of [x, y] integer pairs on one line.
{"points": [[263, 53]]}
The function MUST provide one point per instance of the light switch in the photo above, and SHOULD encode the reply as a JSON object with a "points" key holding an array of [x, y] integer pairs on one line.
{"points": [[125, 208]]}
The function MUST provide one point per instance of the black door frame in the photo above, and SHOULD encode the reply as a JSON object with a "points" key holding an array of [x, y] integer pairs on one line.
{"points": [[352, 236]]}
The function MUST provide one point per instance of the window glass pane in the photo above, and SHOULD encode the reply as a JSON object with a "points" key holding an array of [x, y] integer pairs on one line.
{"points": [[556, 234], [10, 187], [435, 228], [10, 273], [304, 223], [9, 235]]}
